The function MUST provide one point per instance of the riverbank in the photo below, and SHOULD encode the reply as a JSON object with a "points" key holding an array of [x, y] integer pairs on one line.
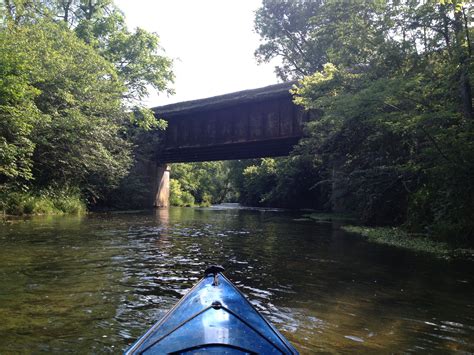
{"points": [[417, 242], [47, 202]]}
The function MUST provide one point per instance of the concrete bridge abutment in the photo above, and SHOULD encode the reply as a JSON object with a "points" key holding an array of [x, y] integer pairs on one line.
{"points": [[162, 187]]}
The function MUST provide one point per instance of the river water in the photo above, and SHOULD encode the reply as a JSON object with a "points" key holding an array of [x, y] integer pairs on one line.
{"points": [[94, 283]]}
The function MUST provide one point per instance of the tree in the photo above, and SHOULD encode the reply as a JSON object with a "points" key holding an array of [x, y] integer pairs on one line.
{"points": [[18, 115], [308, 34], [285, 29], [72, 74], [279, 182], [207, 182], [78, 97], [395, 132], [137, 56]]}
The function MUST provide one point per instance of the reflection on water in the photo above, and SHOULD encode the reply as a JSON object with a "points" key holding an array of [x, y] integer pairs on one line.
{"points": [[95, 283]]}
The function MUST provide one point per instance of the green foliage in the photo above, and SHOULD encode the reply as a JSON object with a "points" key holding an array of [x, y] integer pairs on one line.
{"points": [[283, 182], [305, 35], [208, 182], [69, 74], [138, 63], [206, 200], [137, 56], [285, 28], [178, 197], [391, 82], [78, 96], [144, 119], [48, 201], [18, 114], [259, 181]]}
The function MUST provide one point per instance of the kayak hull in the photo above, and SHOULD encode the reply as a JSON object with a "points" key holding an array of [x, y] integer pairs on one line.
{"points": [[214, 317]]}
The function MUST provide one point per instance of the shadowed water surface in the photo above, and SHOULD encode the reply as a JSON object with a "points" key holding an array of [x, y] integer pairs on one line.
{"points": [[95, 283]]}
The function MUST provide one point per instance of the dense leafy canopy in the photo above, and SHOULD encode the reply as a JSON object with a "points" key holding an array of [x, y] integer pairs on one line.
{"points": [[277, 182], [70, 73], [201, 183], [392, 83], [18, 114]]}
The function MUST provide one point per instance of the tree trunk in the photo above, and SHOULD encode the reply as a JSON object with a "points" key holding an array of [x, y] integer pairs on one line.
{"points": [[66, 7], [463, 58]]}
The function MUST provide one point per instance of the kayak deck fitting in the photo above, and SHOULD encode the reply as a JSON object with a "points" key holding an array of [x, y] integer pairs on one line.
{"points": [[214, 317]]}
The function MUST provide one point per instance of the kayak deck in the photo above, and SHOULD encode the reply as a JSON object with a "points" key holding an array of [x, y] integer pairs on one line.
{"points": [[213, 319]]}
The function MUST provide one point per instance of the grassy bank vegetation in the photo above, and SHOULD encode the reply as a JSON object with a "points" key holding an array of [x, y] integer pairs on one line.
{"points": [[43, 202]]}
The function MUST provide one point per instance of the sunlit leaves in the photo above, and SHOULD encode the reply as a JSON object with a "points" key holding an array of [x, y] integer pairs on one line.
{"points": [[207, 182], [18, 113], [66, 114], [71, 78], [395, 109], [144, 118]]}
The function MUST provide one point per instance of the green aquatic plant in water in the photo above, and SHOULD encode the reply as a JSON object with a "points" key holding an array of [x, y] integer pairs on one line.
{"points": [[402, 239]]}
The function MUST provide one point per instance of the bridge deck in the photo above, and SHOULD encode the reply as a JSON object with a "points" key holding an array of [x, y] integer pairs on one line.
{"points": [[247, 124]]}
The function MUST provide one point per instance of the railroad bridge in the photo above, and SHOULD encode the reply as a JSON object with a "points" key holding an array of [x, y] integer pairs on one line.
{"points": [[247, 124]]}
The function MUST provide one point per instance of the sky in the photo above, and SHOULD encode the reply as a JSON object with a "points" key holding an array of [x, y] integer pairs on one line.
{"points": [[212, 43]]}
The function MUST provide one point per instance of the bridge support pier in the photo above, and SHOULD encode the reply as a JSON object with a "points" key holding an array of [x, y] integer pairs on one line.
{"points": [[162, 191]]}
